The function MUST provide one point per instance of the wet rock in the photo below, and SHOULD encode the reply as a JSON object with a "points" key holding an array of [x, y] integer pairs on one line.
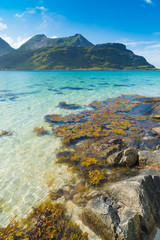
{"points": [[65, 155], [100, 149], [53, 118], [156, 130], [130, 157], [128, 210], [148, 158], [54, 195], [70, 106], [115, 158], [111, 150], [154, 107], [6, 133]]}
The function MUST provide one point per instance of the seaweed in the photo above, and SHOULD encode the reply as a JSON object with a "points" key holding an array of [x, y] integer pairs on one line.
{"points": [[6, 133], [46, 221], [113, 119], [40, 131]]}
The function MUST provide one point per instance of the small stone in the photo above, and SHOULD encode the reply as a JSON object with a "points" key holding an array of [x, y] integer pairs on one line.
{"points": [[115, 158], [130, 157]]}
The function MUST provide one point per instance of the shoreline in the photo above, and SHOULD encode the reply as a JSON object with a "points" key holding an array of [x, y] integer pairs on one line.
{"points": [[85, 70]]}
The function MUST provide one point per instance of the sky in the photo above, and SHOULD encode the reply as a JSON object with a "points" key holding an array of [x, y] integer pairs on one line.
{"points": [[136, 23]]}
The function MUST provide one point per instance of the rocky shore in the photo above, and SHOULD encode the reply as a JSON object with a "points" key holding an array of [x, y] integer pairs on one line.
{"points": [[113, 150]]}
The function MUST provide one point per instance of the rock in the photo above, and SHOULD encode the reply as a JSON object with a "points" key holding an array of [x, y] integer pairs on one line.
{"points": [[148, 158], [100, 149], [152, 107], [130, 157], [54, 195], [155, 110], [128, 209], [110, 150], [115, 158], [152, 100], [70, 106], [65, 155], [156, 130]]}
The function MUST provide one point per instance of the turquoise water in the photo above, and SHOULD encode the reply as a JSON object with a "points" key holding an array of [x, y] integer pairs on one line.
{"points": [[27, 163]]}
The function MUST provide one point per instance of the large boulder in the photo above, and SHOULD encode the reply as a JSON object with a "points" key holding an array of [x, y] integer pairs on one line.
{"points": [[127, 210]]}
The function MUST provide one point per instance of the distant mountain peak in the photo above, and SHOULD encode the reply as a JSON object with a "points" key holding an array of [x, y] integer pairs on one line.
{"points": [[4, 47], [78, 35], [40, 36], [40, 40]]}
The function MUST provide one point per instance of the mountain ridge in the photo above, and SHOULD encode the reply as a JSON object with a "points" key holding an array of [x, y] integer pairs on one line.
{"points": [[109, 56], [69, 53], [40, 40], [5, 48]]}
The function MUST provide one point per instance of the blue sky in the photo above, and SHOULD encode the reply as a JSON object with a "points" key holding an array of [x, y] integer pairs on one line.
{"points": [[135, 23]]}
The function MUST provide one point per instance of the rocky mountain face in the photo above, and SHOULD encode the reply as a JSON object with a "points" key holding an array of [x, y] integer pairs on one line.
{"points": [[74, 55], [4, 47], [41, 40]]}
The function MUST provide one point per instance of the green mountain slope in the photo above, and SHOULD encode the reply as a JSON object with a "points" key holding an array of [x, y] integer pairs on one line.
{"points": [[110, 56], [4, 47], [41, 40]]}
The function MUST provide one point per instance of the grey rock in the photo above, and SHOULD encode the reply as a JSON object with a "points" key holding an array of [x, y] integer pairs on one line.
{"points": [[130, 157], [156, 130], [100, 149], [128, 210], [153, 105], [149, 158], [115, 158]]}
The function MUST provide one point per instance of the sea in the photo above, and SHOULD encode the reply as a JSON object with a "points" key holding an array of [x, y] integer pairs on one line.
{"points": [[28, 168]]}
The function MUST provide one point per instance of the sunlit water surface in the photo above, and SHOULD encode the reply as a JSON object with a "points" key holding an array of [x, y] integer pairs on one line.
{"points": [[27, 163]]}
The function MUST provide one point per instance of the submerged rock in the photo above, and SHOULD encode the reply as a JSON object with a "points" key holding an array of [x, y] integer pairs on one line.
{"points": [[127, 210], [70, 106], [6, 133]]}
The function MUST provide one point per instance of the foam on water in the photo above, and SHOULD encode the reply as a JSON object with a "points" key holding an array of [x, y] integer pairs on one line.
{"points": [[27, 162]]}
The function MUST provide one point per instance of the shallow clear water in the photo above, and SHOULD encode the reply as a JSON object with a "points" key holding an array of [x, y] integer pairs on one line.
{"points": [[27, 162]]}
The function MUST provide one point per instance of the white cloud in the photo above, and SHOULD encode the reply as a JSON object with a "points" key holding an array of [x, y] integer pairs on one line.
{"points": [[42, 8], [17, 15], [54, 37], [19, 41], [153, 46], [3, 26], [30, 11], [151, 55], [148, 1], [6, 38], [135, 43], [15, 44]]}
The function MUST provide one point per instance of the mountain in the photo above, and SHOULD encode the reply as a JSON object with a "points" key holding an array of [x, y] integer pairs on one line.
{"points": [[109, 56], [4, 47], [41, 40]]}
